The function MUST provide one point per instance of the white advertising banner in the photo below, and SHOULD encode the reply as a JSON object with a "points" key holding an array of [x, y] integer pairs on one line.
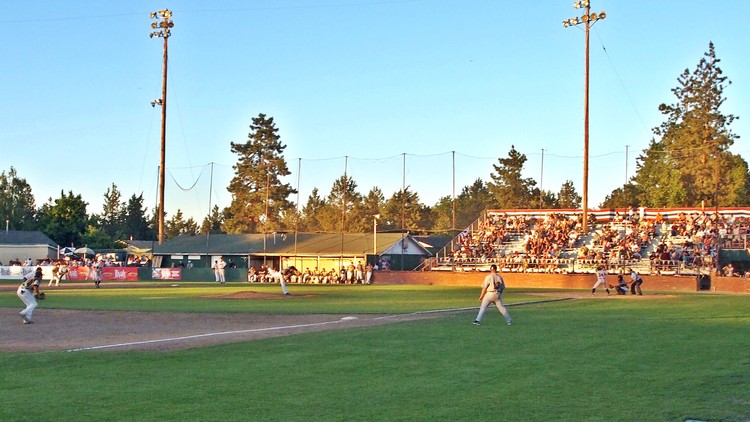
{"points": [[16, 273]]}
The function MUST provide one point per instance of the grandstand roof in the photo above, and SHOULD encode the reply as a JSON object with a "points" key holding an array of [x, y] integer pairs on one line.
{"points": [[287, 244]]}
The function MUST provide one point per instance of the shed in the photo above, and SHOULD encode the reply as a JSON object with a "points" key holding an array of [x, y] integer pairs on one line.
{"points": [[20, 245]]}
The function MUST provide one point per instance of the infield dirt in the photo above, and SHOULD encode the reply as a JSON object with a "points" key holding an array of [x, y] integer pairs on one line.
{"points": [[75, 330]]}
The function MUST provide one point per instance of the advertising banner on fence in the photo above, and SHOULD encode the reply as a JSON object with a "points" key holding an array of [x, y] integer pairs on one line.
{"points": [[108, 274], [166, 274], [15, 272], [79, 274], [120, 273]]}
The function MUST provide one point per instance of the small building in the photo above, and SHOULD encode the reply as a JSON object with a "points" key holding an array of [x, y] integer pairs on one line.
{"points": [[17, 245]]}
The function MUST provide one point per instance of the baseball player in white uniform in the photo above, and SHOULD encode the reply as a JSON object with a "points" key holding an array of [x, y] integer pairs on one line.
{"points": [[25, 292], [222, 265], [276, 276], [96, 268], [492, 292], [55, 275], [601, 279]]}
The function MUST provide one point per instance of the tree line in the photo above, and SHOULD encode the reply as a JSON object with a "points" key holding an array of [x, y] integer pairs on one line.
{"points": [[687, 164]]}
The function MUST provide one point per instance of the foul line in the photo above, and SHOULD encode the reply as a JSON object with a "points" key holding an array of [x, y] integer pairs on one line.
{"points": [[164, 340], [471, 308], [286, 327]]}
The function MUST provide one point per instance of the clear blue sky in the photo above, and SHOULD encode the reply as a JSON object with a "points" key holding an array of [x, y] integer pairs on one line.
{"points": [[355, 85]]}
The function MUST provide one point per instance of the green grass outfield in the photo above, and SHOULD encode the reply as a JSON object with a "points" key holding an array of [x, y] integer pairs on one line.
{"points": [[670, 358]]}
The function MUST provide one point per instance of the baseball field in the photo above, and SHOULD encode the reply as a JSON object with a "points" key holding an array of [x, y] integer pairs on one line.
{"points": [[371, 353]]}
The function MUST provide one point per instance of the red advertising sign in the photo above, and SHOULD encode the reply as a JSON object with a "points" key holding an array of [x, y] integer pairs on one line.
{"points": [[166, 273], [78, 274], [108, 273], [120, 273]]}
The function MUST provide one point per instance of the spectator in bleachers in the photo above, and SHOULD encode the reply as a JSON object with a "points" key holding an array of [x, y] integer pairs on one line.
{"points": [[542, 242]]}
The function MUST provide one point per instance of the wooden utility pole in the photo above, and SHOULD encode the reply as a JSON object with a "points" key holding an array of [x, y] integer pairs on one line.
{"points": [[163, 30], [588, 19]]}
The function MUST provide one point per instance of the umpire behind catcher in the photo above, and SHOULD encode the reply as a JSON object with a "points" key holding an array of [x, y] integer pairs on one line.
{"points": [[26, 292]]}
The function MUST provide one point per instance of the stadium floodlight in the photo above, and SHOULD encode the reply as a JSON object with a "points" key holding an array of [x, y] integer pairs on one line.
{"points": [[165, 24], [588, 19]]}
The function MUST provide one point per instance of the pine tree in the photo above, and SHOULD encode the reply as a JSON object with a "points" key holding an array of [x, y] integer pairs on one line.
{"points": [[259, 198], [472, 202], [113, 214], [690, 165], [568, 197], [373, 202], [136, 225], [212, 224], [346, 203], [508, 187], [404, 211], [310, 219]]}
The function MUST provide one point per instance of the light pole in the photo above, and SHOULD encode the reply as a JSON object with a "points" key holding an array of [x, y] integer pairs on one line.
{"points": [[375, 233], [162, 30], [262, 219], [588, 19]]}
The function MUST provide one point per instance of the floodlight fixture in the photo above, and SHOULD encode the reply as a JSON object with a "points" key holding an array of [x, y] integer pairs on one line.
{"points": [[162, 30], [588, 19]]}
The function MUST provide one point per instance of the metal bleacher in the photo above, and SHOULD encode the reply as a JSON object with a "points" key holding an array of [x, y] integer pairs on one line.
{"points": [[510, 254]]}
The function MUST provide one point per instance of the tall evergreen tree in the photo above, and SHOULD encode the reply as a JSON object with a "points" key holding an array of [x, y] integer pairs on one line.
{"points": [[177, 225], [17, 206], [441, 215], [310, 218], [213, 223], [346, 202], [136, 225], [472, 202], [404, 211], [372, 205], [342, 208], [690, 165], [568, 197], [659, 178], [623, 197], [112, 218], [259, 198], [508, 187]]}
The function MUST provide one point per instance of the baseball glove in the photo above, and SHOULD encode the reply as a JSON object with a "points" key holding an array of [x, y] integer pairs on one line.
{"points": [[40, 296]]}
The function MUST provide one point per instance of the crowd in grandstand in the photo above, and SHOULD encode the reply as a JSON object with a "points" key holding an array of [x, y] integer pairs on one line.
{"points": [[555, 242]]}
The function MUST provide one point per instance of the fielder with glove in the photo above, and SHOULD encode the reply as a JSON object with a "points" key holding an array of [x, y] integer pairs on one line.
{"points": [[27, 292]]}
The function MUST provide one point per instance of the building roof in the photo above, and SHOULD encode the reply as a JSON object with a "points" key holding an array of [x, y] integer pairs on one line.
{"points": [[301, 244], [18, 237], [137, 247], [434, 243]]}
